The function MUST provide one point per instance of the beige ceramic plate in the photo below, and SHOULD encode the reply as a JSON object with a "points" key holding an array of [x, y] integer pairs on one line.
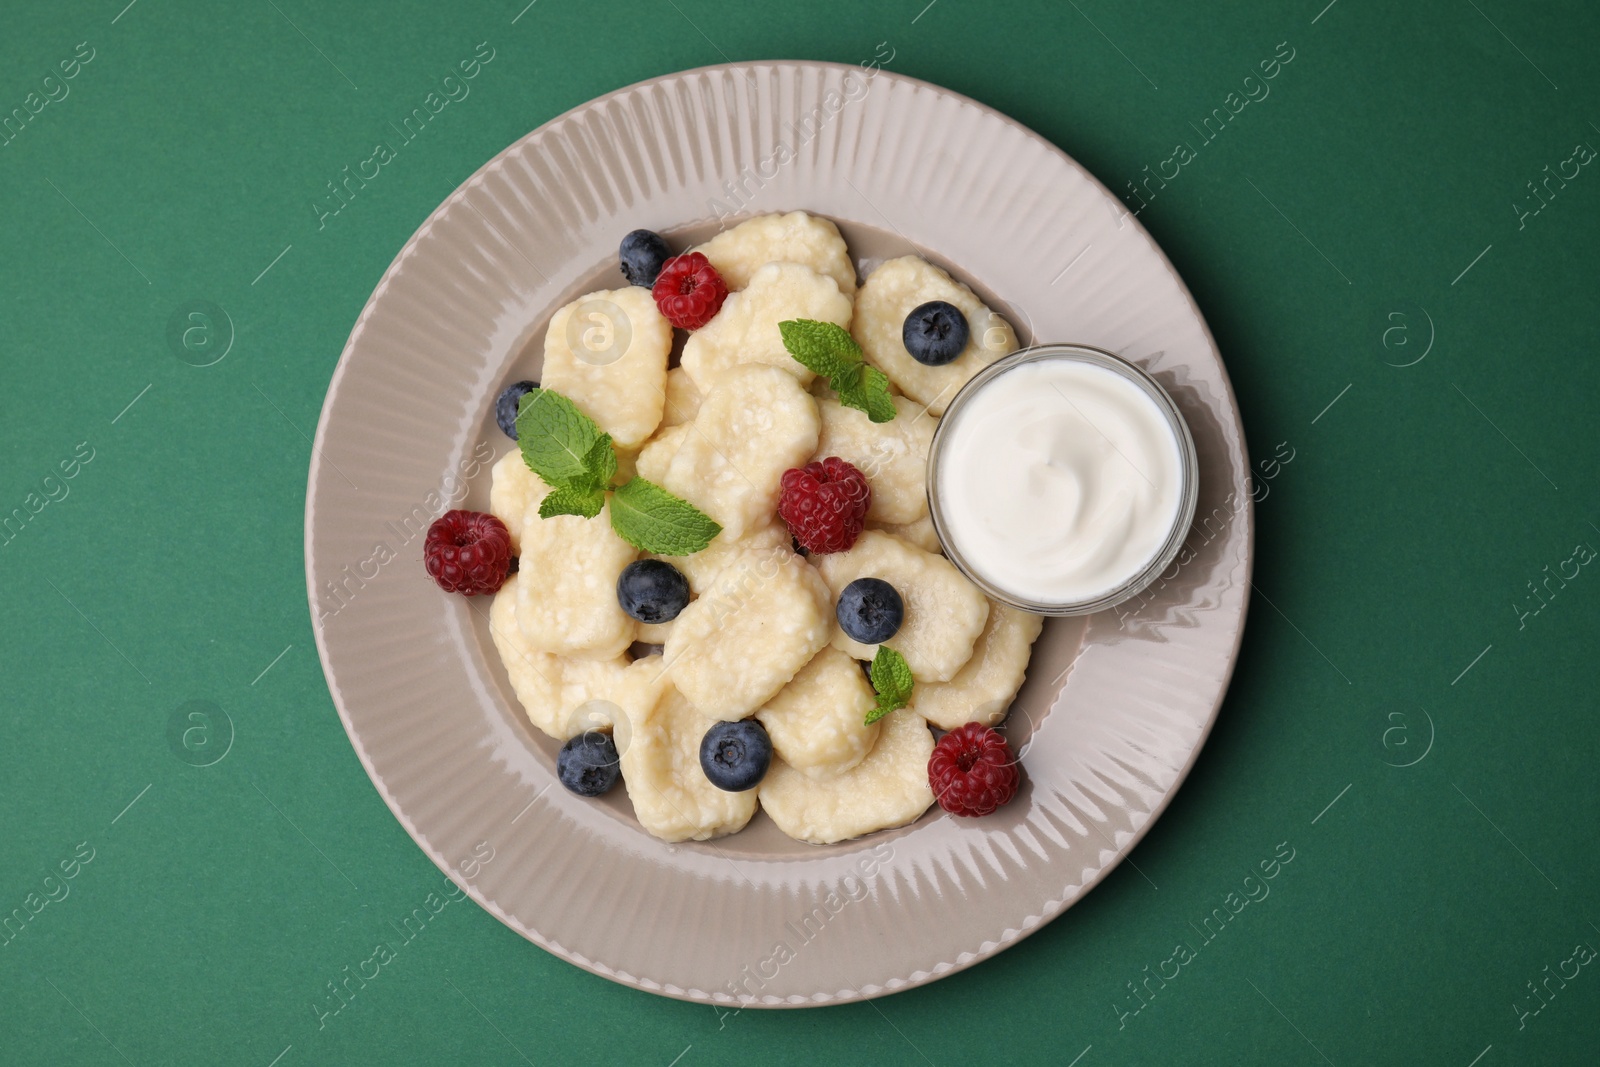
{"points": [[1115, 708]]}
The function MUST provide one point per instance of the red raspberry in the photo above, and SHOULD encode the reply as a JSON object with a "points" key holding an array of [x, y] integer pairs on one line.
{"points": [[689, 291], [467, 552], [971, 770], [825, 504]]}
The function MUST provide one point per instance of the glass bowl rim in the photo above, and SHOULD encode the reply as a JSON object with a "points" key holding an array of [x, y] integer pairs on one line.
{"points": [[1188, 476]]}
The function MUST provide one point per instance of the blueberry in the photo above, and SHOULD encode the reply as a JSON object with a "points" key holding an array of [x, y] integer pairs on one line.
{"points": [[588, 764], [505, 408], [870, 611], [935, 333], [652, 591], [642, 254], [736, 755]]}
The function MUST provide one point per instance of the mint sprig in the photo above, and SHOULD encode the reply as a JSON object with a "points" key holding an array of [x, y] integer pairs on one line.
{"points": [[601, 462], [830, 351], [570, 500], [561, 444], [891, 682], [566, 449], [650, 518]]}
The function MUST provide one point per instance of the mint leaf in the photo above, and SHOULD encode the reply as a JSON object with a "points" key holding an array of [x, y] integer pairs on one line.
{"points": [[560, 443], [601, 461], [831, 352], [891, 681], [873, 396], [571, 500], [564, 447], [821, 347], [653, 520]]}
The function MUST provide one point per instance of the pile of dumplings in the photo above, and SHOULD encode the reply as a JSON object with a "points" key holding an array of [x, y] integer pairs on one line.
{"points": [[759, 638]]}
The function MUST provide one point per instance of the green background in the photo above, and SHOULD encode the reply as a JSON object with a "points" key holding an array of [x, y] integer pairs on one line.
{"points": [[1361, 216]]}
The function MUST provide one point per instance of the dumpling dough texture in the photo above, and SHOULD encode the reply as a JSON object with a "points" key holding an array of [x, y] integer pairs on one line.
{"points": [[818, 721], [672, 798], [656, 456], [920, 533], [756, 423], [889, 295], [607, 353], [702, 567], [893, 455], [944, 613], [889, 788], [739, 252], [550, 688], [738, 643], [683, 398], [567, 588], [512, 487], [982, 691], [746, 329]]}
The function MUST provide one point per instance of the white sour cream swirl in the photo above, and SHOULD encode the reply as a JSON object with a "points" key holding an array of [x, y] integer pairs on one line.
{"points": [[1060, 480]]}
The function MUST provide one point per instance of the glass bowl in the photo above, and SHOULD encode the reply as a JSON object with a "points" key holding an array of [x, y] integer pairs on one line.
{"points": [[1188, 487]]}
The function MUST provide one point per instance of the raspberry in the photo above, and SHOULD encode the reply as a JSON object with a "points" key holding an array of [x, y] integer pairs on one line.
{"points": [[825, 504], [467, 552], [689, 291], [971, 770]]}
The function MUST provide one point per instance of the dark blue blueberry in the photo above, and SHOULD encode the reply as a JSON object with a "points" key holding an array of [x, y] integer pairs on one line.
{"points": [[935, 333], [505, 408], [588, 764], [736, 755], [870, 611], [652, 591], [642, 254]]}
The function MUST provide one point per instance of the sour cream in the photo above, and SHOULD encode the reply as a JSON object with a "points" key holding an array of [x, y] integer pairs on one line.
{"points": [[1059, 479]]}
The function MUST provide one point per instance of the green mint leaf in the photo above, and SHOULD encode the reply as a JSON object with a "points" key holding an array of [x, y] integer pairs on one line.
{"points": [[570, 500], [653, 520], [831, 352], [847, 380], [601, 461], [891, 681], [880, 405], [872, 396], [559, 443], [821, 347], [883, 708]]}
